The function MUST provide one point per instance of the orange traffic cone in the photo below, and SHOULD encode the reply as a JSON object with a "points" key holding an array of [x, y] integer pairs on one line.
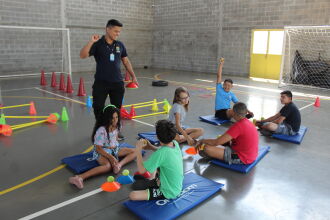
{"points": [[127, 78], [111, 185], [6, 130], [43, 81], [69, 88], [191, 151], [132, 112], [32, 110], [52, 119], [317, 102], [81, 91], [54, 83], [62, 82]]}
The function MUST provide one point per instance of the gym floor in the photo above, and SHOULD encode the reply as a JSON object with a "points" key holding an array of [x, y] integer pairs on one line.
{"points": [[290, 182]]}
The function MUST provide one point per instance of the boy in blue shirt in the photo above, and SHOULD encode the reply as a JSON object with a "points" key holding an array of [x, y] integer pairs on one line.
{"points": [[224, 97]]}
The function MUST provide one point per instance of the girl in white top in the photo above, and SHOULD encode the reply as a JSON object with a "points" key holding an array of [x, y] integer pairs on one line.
{"points": [[106, 147], [178, 114]]}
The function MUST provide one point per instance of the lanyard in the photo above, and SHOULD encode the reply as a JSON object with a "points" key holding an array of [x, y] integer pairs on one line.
{"points": [[111, 48]]}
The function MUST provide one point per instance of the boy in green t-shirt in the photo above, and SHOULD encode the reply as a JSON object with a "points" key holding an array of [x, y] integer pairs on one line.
{"points": [[167, 159]]}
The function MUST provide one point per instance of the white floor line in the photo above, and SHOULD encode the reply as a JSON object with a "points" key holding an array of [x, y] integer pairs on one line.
{"points": [[306, 106], [65, 203], [278, 91], [62, 204], [68, 202], [60, 96], [145, 123]]}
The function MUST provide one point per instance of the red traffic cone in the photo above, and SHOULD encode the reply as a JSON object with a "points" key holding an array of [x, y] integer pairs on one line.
{"points": [[43, 81], [317, 102], [81, 91], [69, 88], [132, 85], [54, 83], [132, 112], [32, 110], [127, 78], [62, 82], [124, 113]]}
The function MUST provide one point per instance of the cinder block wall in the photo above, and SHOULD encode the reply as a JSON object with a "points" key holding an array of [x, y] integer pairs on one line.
{"points": [[241, 16], [84, 18], [172, 34], [186, 34], [16, 46]]}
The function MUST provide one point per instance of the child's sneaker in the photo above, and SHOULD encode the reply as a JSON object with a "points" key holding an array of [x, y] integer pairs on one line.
{"points": [[77, 181], [203, 154], [142, 184], [265, 132]]}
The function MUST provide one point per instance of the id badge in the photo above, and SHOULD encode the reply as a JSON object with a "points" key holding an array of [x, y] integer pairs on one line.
{"points": [[112, 57]]}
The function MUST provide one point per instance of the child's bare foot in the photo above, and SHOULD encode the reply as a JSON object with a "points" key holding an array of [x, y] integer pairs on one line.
{"points": [[116, 168], [77, 181]]}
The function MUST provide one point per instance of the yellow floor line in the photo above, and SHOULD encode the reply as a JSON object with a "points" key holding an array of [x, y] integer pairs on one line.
{"points": [[33, 97], [40, 176]]}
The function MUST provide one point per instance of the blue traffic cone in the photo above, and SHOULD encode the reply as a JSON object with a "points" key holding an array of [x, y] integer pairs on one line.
{"points": [[89, 102]]}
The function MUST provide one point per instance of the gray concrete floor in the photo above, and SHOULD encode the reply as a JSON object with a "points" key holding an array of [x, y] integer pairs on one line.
{"points": [[291, 182]]}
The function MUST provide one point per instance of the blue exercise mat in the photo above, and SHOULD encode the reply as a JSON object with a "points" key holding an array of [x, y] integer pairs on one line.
{"points": [[297, 139], [150, 136], [213, 120], [242, 167], [82, 162], [196, 189]]}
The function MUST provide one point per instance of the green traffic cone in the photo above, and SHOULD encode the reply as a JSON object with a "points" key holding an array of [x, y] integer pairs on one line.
{"points": [[167, 107], [2, 119], [65, 116]]}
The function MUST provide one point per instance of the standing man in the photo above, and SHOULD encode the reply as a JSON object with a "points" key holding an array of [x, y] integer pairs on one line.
{"points": [[108, 54]]}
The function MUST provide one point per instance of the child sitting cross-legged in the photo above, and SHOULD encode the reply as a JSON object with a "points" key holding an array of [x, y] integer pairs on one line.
{"points": [[165, 163]]}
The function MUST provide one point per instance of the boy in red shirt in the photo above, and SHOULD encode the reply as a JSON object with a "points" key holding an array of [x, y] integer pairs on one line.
{"points": [[241, 136]]}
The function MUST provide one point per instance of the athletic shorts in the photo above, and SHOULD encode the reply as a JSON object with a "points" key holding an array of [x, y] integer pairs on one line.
{"points": [[221, 114], [284, 128], [231, 157], [154, 193]]}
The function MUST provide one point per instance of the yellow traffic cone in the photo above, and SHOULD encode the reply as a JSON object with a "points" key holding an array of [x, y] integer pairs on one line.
{"points": [[154, 106]]}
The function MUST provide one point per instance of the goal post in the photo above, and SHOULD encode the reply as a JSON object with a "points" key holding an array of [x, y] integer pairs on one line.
{"points": [[25, 50], [306, 57]]}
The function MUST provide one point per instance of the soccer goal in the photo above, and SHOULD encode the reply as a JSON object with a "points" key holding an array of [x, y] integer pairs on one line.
{"points": [[306, 56], [28, 50]]}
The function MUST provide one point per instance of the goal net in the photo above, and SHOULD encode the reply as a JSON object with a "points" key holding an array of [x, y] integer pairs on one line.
{"points": [[306, 56], [28, 50]]}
